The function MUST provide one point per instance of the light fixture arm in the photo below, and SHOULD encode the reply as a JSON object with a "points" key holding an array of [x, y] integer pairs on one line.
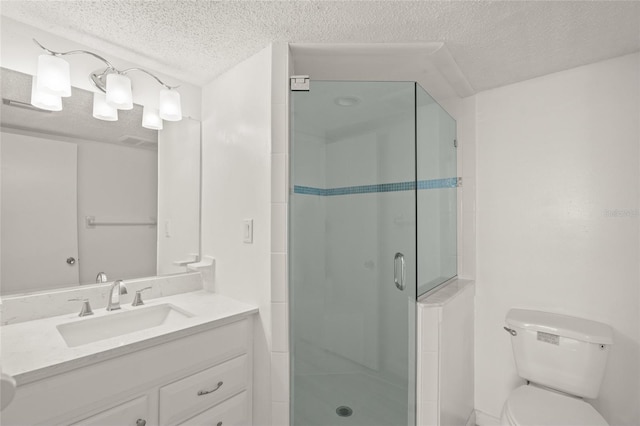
{"points": [[75, 52], [110, 67], [150, 74]]}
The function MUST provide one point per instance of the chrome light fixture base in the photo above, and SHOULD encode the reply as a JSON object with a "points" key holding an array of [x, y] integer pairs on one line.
{"points": [[99, 78]]}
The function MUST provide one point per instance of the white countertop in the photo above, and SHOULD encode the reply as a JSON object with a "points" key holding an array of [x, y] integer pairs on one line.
{"points": [[35, 350], [446, 292]]}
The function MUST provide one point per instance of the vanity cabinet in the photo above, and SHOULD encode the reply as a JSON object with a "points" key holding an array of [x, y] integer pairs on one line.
{"points": [[198, 379]]}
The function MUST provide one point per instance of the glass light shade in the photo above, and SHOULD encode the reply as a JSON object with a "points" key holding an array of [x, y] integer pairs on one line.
{"points": [[44, 100], [102, 110], [119, 91], [53, 76], [151, 119], [170, 107]]}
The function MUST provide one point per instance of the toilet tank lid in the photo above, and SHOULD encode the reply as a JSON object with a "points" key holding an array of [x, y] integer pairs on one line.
{"points": [[562, 325]]}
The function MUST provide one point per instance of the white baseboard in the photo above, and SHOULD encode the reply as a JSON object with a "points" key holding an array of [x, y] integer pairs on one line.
{"points": [[484, 419]]}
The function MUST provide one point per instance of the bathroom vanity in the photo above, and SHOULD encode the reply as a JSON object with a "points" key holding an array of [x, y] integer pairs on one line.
{"points": [[191, 371]]}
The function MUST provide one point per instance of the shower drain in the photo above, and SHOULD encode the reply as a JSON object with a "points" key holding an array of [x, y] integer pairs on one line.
{"points": [[344, 411]]}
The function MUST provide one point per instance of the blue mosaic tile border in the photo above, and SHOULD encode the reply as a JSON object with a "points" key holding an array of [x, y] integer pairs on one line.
{"points": [[383, 187]]}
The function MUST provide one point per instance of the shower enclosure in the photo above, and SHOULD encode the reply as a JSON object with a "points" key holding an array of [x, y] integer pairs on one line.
{"points": [[372, 227]]}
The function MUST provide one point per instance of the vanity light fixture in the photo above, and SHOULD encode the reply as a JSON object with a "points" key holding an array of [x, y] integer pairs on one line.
{"points": [[53, 82], [53, 76], [151, 119], [170, 108], [44, 100], [102, 110]]}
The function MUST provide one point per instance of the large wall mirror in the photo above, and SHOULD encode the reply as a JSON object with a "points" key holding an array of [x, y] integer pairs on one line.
{"points": [[80, 196]]}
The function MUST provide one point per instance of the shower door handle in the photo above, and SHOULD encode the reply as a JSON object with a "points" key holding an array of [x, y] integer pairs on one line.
{"points": [[399, 271]]}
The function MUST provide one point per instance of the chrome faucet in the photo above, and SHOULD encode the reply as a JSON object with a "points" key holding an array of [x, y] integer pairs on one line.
{"points": [[117, 288], [101, 277]]}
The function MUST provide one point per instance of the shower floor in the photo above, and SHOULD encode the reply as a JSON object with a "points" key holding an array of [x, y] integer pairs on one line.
{"points": [[374, 402]]}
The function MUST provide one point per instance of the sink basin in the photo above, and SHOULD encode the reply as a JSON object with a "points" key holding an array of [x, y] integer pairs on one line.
{"points": [[115, 324]]}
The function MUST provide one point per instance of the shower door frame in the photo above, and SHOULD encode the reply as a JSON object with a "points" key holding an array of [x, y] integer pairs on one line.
{"points": [[411, 301]]}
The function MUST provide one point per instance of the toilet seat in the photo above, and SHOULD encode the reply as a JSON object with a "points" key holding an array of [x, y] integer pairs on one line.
{"points": [[533, 406]]}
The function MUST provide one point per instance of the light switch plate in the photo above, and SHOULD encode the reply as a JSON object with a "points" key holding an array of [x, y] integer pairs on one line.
{"points": [[247, 231]]}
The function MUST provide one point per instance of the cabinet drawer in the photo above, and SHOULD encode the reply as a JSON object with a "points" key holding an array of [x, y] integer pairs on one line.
{"points": [[125, 414], [202, 390], [232, 412]]}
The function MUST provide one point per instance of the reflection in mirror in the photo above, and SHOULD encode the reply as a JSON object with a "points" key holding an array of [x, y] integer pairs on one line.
{"points": [[79, 196]]}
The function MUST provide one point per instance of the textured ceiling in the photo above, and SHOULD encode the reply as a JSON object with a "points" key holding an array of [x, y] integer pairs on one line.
{"points": [[494, 43]]}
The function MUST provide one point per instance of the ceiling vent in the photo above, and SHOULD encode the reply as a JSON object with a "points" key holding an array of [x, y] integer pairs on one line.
{"points": [[133, 140]]}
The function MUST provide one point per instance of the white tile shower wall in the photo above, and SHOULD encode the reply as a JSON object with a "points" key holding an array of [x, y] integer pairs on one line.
{"points": [[236, 185], [557, 218], [34, 306], [445, 355], [280, 70]]}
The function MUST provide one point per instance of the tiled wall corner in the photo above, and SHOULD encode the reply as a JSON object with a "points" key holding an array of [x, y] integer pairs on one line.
{"points": [[279, 235], [428, 365], [279, 414], [445, 358]]}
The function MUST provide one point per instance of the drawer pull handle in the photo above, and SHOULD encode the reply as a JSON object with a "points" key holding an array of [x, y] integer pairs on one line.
{"points": [[141, 422], [200, 393]]}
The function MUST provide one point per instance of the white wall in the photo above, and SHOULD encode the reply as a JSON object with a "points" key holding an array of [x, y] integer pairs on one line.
{"points": [[236, 182], [556, 156]]}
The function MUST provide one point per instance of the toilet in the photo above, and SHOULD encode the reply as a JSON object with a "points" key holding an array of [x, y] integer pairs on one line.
{"points": [[563, 359]]}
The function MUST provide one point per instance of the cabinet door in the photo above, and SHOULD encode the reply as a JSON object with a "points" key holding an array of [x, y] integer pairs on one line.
{"points": [[130, 413], [232, 412]]}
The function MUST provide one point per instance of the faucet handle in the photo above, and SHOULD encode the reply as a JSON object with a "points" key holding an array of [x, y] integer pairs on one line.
{"points": [[86, 306], [137, 299]]}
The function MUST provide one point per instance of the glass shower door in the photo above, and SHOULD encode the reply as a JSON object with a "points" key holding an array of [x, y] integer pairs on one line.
{"points": [[352, 262], [437, 193]]}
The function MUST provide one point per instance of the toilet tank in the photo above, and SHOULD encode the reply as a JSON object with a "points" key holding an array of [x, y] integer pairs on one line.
{"points": [[561, 352]]}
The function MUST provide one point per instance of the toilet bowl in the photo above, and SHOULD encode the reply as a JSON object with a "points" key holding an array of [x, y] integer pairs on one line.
{"points": [[529, 405], [563, 359]]}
